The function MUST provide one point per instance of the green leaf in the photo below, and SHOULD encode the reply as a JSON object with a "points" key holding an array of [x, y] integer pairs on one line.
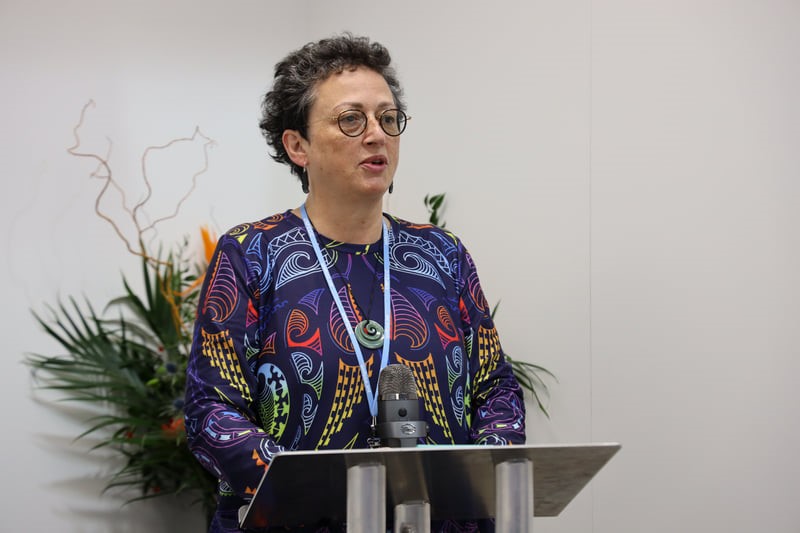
{"points": [[116, 363]]}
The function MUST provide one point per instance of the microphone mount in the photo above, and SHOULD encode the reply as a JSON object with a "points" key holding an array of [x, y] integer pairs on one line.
{"points": [[399, 423]]}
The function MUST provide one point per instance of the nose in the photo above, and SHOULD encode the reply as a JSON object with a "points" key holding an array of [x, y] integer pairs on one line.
{"points": [[374, 133]]}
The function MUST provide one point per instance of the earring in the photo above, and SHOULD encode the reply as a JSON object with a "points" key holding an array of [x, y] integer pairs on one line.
{"points": [[391, 188], [304, 180]]}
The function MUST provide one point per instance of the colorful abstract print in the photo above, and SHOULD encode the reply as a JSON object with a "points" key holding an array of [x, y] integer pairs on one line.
{"points": [[273, 367]]}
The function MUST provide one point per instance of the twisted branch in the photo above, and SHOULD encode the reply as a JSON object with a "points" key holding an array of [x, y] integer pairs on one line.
{"points": [[104, 172]]}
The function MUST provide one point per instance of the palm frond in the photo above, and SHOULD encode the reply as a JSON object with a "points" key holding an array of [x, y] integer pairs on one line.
{"points": [[129, 365]]}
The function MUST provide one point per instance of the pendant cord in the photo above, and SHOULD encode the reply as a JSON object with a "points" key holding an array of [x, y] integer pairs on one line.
{"points": [[372, 397], [364, 316]]}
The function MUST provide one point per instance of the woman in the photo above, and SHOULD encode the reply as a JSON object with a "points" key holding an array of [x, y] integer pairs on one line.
{"points": [[302, 309]]}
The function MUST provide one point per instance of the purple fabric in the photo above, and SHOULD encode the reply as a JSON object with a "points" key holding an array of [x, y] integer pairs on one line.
{"points": [[272, 367]]}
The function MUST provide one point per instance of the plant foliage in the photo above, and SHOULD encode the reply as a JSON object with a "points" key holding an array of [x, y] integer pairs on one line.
{"points": [[131, 360], [435, 204]]}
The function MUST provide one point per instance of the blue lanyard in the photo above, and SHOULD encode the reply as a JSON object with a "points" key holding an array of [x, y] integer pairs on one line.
{"points": [[372, 398]]}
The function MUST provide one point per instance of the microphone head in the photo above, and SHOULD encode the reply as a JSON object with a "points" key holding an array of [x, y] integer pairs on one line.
{"points": [[397, 382]]}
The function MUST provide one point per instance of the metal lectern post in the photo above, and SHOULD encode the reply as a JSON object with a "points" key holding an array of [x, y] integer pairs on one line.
{"points": [[366, 498], [514, 496], [412, 517]]}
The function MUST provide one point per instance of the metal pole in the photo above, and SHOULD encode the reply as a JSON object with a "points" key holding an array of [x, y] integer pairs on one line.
{"points": [[514, 496], [412, 517], [366, 498]]}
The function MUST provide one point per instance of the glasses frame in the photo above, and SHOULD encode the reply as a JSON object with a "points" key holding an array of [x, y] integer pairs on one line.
{"points": [[337, 118]]}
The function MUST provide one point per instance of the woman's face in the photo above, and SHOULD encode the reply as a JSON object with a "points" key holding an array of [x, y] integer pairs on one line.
{"points": [[350, 168]]}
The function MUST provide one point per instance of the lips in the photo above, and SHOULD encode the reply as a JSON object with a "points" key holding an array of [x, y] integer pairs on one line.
{"points": [[376, 162]]}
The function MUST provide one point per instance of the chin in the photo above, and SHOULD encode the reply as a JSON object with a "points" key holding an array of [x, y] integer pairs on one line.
{"points": [[378, 187]]}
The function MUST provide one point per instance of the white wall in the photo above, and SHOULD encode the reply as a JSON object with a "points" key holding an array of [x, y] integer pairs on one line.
{"points": [[624, 172], [695, 256]]}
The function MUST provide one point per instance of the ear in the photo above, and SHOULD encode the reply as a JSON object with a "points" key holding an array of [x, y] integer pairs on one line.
{"points": [[296, 147]]}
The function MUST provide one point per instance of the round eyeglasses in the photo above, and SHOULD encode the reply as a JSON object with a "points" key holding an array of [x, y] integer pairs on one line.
{"points": [[353, 122]]}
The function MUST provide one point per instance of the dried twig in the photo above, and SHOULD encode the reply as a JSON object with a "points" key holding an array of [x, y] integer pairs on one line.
{"points": [[104, 172]]}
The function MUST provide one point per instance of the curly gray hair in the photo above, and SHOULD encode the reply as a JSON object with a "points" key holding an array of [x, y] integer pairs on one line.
{"points": [[287, 104]]}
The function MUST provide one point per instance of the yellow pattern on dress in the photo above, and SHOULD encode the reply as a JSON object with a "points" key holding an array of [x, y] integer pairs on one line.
{"points": [[349, 391], [219, 348], [488, 355], [428, 386]]}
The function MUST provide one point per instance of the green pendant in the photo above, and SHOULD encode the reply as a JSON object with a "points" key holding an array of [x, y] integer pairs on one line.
{"points": [[369, 334]]}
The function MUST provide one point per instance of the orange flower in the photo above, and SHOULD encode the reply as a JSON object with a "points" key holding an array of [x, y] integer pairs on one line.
{"points": [[209, 242], [173, 427]]}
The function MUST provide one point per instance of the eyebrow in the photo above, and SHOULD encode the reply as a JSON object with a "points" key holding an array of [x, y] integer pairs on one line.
{"points": [[359, 105]]}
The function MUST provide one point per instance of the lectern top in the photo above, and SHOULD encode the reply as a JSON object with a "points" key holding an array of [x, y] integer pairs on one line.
{"points": [[457, 481]]}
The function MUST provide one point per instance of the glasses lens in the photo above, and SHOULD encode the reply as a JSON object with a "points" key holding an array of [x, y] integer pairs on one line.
{"points": [[352, 122], [393, 122]]}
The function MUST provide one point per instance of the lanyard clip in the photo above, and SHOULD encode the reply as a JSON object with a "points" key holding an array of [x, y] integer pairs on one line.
{"points": [[373, 441]]}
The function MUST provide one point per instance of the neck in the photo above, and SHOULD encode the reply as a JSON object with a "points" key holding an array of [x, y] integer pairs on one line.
{"points": [[345, 222]]}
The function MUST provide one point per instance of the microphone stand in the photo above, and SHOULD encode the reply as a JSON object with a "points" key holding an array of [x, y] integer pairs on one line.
{"points": [[399, 425]]}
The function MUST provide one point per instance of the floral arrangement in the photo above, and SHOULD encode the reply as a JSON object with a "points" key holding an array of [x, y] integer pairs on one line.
{"points": [[135, 364], [130, 358]]}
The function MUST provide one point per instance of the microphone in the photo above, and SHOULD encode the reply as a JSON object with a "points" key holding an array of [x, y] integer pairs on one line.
{"points": [[399, 424]]}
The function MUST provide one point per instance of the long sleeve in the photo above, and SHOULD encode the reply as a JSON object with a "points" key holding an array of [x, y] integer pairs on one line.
{"points": [[498, 407], [223, 426]]}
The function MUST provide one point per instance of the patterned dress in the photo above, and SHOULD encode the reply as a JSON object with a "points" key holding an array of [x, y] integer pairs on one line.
{"points": [[273, 368]]}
